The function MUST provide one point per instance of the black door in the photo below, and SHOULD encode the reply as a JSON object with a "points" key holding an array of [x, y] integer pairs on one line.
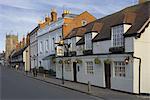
{"points": [[75, 71], [107, 75]]}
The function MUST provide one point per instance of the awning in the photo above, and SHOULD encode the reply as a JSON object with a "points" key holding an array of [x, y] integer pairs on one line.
{"points": [[49, 57]]}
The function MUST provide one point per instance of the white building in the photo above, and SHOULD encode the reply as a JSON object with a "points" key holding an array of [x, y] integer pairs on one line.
{"points": [[53, 32], [112, 53], [33, 48]]}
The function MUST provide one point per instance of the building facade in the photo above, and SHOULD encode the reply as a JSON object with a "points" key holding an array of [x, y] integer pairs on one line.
{"points": [[54, 31], [33, 48], [110, 53]]}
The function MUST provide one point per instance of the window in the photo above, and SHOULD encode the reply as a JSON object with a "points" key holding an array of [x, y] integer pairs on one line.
{"points": [[67, 68], [53, 44], [84, 22], [47, 46], [80, 49], [73, 44], [90, 69], [117, 36], [88, 41], [119, 69], [41, 47]]}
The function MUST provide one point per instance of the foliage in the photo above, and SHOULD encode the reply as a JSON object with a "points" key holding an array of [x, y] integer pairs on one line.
{"points": [[97, 60]]}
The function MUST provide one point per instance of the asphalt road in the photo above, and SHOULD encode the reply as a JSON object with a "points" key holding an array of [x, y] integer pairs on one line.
{"points": [[16, 86]]}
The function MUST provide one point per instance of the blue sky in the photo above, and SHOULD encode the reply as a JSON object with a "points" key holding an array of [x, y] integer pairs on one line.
{"points": [[21, 16]]}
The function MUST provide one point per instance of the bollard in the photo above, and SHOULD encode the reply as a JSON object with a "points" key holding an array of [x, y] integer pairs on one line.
{"points": [[44, 75], [89, 87]]}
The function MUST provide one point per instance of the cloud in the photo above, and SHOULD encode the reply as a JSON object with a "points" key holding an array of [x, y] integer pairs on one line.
{"points": [[22, 16]]}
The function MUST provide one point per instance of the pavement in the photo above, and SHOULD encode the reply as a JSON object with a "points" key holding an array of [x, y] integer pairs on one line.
{"points": [[102, 93]]}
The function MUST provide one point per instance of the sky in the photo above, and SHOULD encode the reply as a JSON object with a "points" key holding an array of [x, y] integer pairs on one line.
{"points": [[22, 16]]}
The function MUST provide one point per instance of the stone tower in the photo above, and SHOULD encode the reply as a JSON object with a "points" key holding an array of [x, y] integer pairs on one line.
{"points": [[11, 41]]}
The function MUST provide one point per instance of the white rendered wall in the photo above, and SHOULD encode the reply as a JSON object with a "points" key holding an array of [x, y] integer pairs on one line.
{"points": [[44, 63], [122, 83], [97, 78], [33, 50], [26, 59], [142, 49], [101, 47]]}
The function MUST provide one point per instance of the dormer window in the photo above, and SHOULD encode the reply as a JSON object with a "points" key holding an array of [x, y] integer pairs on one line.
{"points": [[88, 41], [117, 36], [73, 44], [84, 22]]}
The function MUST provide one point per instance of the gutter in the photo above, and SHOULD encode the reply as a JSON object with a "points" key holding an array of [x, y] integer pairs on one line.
{"points": [[139, 72]]}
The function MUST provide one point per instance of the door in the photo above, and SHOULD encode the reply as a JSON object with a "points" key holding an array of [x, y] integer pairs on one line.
{"points": [[107, 75], [74, 71]]}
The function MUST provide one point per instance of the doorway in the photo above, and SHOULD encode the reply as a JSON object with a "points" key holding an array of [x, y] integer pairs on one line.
{"points": [[107, 75], [74, 72]]}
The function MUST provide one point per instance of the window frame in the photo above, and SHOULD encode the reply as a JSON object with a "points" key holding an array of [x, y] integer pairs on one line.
{"points": [[119, 69], [88, 41], [90, 67], [117, 36]]}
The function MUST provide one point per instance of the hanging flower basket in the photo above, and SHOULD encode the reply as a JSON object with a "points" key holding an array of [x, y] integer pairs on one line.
{"points": [[107, 61], [79, 61], [67, 61], [60, 62], [54, 60], [97, 60]]}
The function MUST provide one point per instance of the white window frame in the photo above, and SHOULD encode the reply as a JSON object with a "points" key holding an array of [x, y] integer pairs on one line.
{"points": [[41, 46], [117, 36], [90, 67], [68, 68], [88, 41], [47, 45], [73, 44], [119, 69], [84, 22], [53, 44]]}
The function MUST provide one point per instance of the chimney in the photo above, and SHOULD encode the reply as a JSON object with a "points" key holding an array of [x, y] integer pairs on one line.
{"points": [[53, 15], [42, 24], [47, 20], [142, 1], [65, 12]]}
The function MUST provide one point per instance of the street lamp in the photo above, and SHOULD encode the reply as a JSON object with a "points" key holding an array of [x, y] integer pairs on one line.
{"points": [[61, 43]]}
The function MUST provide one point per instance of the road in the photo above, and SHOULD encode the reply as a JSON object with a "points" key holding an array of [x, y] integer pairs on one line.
{"points": [[16, 86]]}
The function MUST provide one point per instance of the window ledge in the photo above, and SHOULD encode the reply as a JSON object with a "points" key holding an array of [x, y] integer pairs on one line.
{"points": [[117, 49], [87, 52]]}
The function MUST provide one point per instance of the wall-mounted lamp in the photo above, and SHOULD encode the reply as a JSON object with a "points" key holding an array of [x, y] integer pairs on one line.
{"points": [[126, 61]]}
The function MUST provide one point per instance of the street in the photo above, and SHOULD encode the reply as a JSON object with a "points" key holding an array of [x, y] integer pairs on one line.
{"points": [[16, 86]]}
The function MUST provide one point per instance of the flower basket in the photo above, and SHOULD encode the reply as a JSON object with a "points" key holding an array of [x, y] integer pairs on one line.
{"points": [[54, 60], [97, 61], [107, 61], [67, 61], [79, 61], [60, 62]]}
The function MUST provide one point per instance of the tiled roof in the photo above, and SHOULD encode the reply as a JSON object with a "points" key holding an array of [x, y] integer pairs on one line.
{"points": [[135, 15], [20, 52]]}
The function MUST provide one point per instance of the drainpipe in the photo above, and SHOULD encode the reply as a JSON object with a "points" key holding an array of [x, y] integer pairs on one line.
{"points": [[139, 72]]}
